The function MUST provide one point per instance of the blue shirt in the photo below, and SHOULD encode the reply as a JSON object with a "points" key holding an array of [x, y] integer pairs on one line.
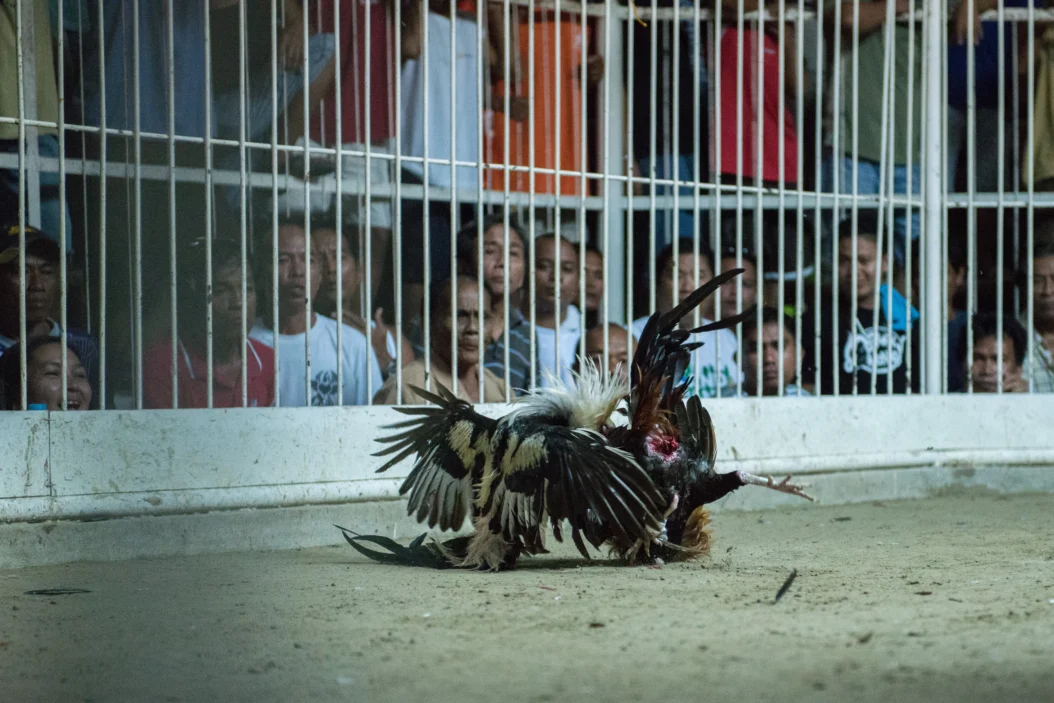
{"points": [[188, 33], [986, 63]]}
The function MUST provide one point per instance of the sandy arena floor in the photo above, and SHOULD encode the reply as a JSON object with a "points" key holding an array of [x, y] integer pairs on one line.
{"points": [[948, 599]]}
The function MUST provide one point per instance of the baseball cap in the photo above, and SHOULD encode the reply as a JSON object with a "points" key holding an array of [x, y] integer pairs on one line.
{"points": [[36, 242]]}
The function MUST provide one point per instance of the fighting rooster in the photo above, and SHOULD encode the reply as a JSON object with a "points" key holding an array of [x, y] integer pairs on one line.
{"points": [[638, 486]]}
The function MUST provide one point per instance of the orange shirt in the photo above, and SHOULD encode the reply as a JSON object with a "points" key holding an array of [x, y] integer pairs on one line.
{"points": [[550, 80]]}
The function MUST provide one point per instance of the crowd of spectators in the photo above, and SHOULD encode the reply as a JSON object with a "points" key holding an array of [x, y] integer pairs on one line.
{"points": [[328, 316]]}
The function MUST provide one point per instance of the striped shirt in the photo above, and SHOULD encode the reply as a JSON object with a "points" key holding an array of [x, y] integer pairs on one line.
{"points": [[519, 353], [1040, 368]]}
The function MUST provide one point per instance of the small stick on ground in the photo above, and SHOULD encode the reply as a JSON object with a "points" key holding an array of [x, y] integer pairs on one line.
{"points": [[786, 585]]}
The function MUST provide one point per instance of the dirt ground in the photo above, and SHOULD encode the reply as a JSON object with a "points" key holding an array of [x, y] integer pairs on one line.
{"points": [[948, 599]]}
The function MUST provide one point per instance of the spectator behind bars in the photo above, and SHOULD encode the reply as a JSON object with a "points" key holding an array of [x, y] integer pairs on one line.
{"points": [[868, 114], [771, 360], [229, 357], [957, 316], [44, 377], [871, 344], [617, 350], [594, 271], [442, 319], [733, 299], [710, 367], [43, 295], [295, 289], [548, 312], [351, 273], [984, 371], [41, 104], [364, 116], [494, 275], [1040, 367]]}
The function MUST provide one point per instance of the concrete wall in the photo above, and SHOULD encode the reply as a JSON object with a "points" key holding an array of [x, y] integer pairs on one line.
{"points": [[122, 484]]}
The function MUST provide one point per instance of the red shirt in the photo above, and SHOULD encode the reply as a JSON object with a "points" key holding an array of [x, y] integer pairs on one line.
{"points": [[770, 119], [352, 73], [193, 378]]}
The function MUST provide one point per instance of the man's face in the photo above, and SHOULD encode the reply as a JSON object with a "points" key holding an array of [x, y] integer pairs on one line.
{"points": [[324, 249], [42, 288], [985, 367], [956, 280], [545, 274], [686, 283], [227, 301], [866, 268], [618, 349], [594, 280], [729, 304], [467, 320], [1043, 287], [771, 361], [494, 261], [44, 379], [293, 286]]}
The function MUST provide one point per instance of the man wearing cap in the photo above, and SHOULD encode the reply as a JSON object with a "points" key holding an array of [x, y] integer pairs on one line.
{"points": [[42, 295]]}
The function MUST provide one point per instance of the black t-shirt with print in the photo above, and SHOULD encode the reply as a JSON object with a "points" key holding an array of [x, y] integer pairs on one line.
{"points": [[859, 359]]}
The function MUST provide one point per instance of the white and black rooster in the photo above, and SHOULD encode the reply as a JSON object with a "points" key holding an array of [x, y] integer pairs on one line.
{"points": [[630, 468]]}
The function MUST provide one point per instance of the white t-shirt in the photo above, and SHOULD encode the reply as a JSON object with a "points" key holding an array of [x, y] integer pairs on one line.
{"points": [[570, 332], [324, 360], [444, 66], [712, 373]]}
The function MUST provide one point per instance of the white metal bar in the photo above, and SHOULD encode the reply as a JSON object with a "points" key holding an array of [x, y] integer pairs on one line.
{"points": [[338, 198], [274, 205], [63, 233], [137, 233], [933, 314], [453, 199], [101, 39], [172, 238], [1000, 183], [1030, 225], [20, 59], [817, 211], [397, 232]]}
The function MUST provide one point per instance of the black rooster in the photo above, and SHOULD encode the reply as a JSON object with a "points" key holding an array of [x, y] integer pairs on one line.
{"points": [[562, 455]]}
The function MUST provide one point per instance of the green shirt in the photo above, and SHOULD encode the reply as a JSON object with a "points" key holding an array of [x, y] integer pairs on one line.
{"points": [[870, 104], [47, 94]]}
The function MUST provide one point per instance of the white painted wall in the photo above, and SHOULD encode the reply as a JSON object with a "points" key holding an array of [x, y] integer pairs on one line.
{"points": [[117, 463]]}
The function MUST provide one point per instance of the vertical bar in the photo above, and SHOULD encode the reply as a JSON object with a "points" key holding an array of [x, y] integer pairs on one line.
{"points": [[1015, 143], [818, 212], [999, 225], [837, 172], [367, 256], [101, 39], [886, 168], [243, 186], [424, 60], [799, 225], [629, 213], [20, 22], [1030, 225], [910, 189], [759, 179], [652, 138], [971, 181], [531, 186], [173, 308], [510, 38], [63, 234], [583, 138], [305, 92], [84, 179], [274, 203], [209, 350], [855, 151], [338, 197], [397, 199], [781, 180], [740, 97], [714, 124], [933, 315], [137, 234], [453, 198], [480, 77]]}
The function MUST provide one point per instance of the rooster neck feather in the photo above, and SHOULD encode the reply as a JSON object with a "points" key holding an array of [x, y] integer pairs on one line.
{"points": [[589, 403]]}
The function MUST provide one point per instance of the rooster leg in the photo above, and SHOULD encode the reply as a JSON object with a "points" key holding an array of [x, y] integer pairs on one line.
{"points": [[784, 486], [662, 536]]}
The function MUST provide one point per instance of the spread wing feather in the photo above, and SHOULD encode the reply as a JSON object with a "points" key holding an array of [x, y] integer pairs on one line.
{"points": [[574, 474], [663, 353], [697, 430], [452, 444]]}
